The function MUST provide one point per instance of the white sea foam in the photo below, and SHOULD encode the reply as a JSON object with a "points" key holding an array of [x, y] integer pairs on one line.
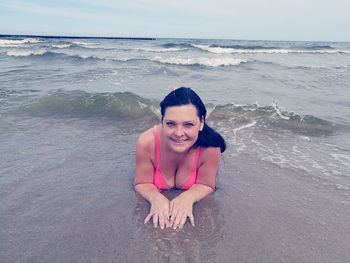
{"points": [[274, 105], [216, 50], [244, 127], [228, 50], [174, 49], [64, 45], [25, 53], [18, 42], [344, 159], [85, 44], [210, 62]]}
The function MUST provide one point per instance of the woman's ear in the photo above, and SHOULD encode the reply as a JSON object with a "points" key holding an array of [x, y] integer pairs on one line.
{"points": [[202, 125]]}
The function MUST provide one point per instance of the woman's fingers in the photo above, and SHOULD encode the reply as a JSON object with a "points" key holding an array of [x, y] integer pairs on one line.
{"points": [[155, 220], [171, 208], [161, 221], [148, 217], [178, 220], [173, 217], [182, 221], [191, 217], [166, 219]]}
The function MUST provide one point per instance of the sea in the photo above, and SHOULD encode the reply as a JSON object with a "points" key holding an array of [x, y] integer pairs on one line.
{"points": [[71, 109]]}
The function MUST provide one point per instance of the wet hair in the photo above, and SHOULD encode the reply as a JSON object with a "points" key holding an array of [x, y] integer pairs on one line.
{"points": [[208, 137]]}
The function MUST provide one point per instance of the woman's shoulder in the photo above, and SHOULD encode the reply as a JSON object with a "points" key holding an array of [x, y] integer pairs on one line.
{"points": [[208, 153], [145, 140], [210, 150]]}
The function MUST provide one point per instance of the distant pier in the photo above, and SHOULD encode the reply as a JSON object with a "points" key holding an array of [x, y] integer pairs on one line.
{"points": [[80, 37]]}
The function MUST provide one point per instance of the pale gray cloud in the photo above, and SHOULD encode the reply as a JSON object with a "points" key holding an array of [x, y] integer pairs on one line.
{"points": [[269, 19]]}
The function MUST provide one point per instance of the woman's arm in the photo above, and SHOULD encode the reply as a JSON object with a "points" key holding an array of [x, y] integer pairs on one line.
{"points": [[181, 207], [143, 182]]}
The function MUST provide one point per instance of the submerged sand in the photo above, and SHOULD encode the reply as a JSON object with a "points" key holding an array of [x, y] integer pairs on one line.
{"points": [[67, 196]]}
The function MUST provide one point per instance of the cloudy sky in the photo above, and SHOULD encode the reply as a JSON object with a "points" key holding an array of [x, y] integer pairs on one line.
{"points": [[230, 19]]}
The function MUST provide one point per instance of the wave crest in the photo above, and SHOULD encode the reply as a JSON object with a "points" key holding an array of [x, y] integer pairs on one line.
{"points": [[119, 105], [269, 50], [18, 42], [209, 62], [131, 107], [273, 116]]}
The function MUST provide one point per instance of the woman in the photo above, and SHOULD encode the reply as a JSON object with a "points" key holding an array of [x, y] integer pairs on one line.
{"points": [[182, 152]]}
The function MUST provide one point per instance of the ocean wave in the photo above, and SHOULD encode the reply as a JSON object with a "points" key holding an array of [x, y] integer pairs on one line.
{"points": [[317, 46], [129, 106], [18, 42], [161, 50], [177, 45], [266, 50], [86, 44], [72, 44], [27, 53], [62, 45], [119, 105], [272, 115], [46, 54], [209, 62]]}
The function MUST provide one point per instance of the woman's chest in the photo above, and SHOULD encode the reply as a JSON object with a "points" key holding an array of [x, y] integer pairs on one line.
{"points": [[176, 173]]}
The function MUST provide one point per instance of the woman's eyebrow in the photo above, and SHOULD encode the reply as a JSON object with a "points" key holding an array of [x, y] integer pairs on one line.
{"points": [[170, 120], [187, 121]]}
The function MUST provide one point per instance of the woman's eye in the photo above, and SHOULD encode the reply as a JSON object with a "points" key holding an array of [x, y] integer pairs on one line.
{"points": [[189, 124], [170, 124]]}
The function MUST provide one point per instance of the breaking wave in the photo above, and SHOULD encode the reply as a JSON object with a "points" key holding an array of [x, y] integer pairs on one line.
{"points": [[162, 50], [272, 115], [270, 50], [18, 42], [129, 106], [119, 105], [200, 61]]}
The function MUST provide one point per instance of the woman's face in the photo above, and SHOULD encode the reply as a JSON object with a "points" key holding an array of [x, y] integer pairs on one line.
{"points": [[181, 126]]}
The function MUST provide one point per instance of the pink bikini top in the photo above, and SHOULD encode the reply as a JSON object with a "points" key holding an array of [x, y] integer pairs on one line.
{"points": [[158, 179]]}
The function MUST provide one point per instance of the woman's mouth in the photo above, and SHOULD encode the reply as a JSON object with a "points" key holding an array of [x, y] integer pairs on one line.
{"points": [[178, 141]]}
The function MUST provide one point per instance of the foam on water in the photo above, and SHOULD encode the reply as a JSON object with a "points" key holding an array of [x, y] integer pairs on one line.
{"points": [[26, 53], [86, 44], [62, 45], [230, 50], [201, 61], [161, 50], [18, 42]]}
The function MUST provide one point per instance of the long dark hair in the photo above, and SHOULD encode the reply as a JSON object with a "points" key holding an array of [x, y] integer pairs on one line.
{"points": [[184, 96]]}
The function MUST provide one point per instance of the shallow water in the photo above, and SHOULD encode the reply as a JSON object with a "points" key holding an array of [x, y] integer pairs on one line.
{"points": [[70, 114], [66, 196]]}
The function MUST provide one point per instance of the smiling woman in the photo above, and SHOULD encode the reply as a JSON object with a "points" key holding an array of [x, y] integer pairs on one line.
{"points": [[182, 152]]}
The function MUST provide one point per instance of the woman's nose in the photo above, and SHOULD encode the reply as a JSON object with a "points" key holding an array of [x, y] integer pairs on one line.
{"points": [[179, 131]]}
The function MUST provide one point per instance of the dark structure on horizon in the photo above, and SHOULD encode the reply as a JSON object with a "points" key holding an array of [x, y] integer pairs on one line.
{"points": [[78, 37]]}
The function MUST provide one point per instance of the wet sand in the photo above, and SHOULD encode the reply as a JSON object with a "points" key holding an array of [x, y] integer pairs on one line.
{"points": [[67, 196]]}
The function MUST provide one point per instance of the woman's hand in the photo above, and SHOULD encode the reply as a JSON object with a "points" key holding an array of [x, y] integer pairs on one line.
{"points": [[180, 208], [159, 211]]}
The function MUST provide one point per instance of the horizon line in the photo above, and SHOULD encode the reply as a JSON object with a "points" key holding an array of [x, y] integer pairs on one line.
{"points": [[155, 38], [76, 37]]}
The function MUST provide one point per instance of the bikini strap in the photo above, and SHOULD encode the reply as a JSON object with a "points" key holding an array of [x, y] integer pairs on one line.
{"points": [[156, 138], [197, 156]]}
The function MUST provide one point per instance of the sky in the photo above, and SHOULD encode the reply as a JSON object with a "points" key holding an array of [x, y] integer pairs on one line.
{"points": [[310, 20]]}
